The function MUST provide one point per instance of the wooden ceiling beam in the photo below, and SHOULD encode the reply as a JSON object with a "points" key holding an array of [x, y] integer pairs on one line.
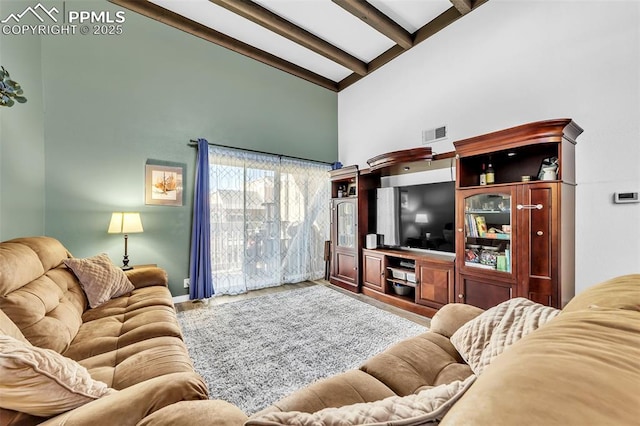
{"points": [[269, 20], [463, 6], [377, 20], [438, 23], [175, 20]]}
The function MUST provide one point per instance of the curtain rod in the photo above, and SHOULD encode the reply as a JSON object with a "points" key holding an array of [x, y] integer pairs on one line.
{"points": [[194, 142]]}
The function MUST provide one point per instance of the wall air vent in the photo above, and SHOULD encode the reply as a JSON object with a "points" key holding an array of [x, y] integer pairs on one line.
{"points": [[434, 135]]}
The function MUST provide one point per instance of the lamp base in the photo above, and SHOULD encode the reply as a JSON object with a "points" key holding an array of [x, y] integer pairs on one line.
{"points": [[125, 260]]}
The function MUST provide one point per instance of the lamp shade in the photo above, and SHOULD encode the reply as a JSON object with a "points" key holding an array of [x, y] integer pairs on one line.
{"points": [[125, 223], [422, 218]]}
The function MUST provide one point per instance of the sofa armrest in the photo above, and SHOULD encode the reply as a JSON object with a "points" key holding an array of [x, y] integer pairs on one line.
{"points": [[129, 406], [451, 317], [147, 276], [189, 413]]}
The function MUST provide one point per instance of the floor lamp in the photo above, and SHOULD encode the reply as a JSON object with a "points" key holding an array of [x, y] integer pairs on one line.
{"points": [[125, 223], [422, 218]]}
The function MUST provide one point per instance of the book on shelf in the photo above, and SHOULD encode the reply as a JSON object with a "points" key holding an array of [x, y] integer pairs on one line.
{"points": [[495, 236], [476, 225], [481, 224], [472, 226]]}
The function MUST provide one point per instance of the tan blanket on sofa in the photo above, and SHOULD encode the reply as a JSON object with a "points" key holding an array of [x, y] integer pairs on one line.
{"points": [[486, 336], [427, 407]]}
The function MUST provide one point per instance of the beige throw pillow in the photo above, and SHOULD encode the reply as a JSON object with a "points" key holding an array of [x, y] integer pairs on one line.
{"points": [[41, 382], [101, 280], [486, 336]]}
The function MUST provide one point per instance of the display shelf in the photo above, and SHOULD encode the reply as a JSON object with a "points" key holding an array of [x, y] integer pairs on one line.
{"points": [[479, 265], [517, 152], [480, 211], [403, 282], [533, 256]]}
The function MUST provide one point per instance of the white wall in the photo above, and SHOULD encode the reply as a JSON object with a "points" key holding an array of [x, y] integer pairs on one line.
{"points": [[514, 62]]}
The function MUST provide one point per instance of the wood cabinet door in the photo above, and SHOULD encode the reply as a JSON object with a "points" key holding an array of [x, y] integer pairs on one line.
{"points": [[539, 255], [435, 286], [481, 293], [346, 267], [374, 269], [344, 244]]}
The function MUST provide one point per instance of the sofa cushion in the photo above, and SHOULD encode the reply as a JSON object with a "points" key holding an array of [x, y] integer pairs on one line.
{"points": [[621, 292], [38, 293], [8, 328], [451, 317], [131, 339], [428, 359], [101, 280], [42, 382], [425, 408], [486, 336], [582, 368], [199, 412], [350, 387]]}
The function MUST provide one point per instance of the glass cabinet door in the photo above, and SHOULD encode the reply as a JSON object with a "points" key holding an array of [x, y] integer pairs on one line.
{"points": [[346, 219], [487, 231]]}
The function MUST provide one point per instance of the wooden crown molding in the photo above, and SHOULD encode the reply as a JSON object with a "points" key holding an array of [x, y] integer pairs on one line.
{"points": [[539, 132]]}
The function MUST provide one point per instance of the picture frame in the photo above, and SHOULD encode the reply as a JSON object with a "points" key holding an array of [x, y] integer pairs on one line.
{"points": [[351, 190], [404, 200], [164, 183]]}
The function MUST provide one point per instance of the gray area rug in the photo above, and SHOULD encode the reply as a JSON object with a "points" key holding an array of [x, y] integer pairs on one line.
{"points": [[254, 352]]}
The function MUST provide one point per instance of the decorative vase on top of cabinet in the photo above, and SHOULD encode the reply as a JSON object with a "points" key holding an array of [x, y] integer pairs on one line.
{"points": [[515, 236]]}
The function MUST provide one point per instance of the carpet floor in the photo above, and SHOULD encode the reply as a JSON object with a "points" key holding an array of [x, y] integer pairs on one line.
{"points": [[254, 352]]}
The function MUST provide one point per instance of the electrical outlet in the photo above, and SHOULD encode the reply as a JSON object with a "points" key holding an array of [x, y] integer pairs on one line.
{"points": [[186, 282]]}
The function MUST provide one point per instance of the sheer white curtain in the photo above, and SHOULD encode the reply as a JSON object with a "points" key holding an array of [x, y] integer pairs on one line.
{"points": [[269, 219]]}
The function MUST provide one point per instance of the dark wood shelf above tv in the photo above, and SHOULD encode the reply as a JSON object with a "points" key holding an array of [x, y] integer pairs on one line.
{"points": [[406, 161]]}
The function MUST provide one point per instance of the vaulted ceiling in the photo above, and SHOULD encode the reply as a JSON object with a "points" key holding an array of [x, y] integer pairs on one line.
{"points": [[332, 43]]}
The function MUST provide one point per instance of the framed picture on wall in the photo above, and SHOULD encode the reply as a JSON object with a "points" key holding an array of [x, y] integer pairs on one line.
{"points": [[404, 200], [164, 183]]}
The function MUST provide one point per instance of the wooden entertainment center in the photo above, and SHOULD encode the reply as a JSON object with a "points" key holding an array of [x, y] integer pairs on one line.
{"points": [[514, 237]]}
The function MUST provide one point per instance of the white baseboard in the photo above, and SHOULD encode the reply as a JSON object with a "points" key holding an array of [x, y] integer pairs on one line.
{"points": [[180, 299]]}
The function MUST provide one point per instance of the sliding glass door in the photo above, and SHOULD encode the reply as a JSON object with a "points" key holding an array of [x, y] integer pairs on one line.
{"points": [[269, 219]]}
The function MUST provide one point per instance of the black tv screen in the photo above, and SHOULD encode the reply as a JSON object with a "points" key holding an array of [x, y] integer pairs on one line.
{"points": [[434, 202]]}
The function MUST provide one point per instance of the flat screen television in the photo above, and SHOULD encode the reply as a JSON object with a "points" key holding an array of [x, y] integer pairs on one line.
{"points": [[424, 218]]}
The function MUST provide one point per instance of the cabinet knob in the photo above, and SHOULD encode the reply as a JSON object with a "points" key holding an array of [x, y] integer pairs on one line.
{"points": [[539, 233], [459, 229], [461, 296]]}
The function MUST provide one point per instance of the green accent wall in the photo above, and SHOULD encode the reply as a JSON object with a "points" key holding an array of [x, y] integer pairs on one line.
{"points": [[22, 164], [112, 102]]}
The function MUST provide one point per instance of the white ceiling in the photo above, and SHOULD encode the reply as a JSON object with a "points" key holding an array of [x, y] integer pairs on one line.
{"points": [[322, 18]]}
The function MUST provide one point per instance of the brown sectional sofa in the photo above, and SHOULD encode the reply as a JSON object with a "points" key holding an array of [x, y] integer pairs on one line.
{"points": [[582, 367], [132, 343]]}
